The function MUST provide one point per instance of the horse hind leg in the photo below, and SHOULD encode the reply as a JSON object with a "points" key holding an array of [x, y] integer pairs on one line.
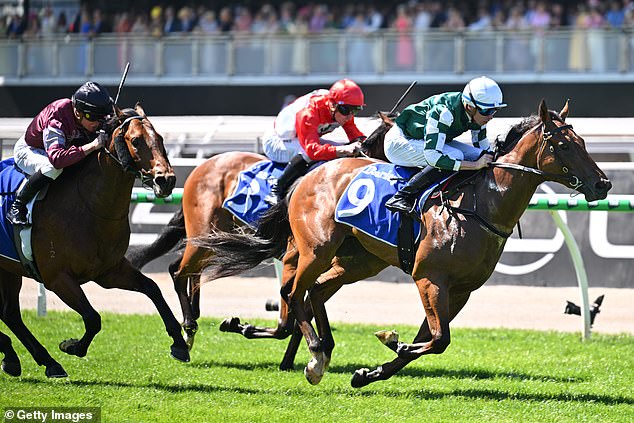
{"points": [[10, 286], [10, 362]]}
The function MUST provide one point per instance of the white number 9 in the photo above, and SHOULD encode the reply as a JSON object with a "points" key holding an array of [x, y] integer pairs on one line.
{"points": [[359, 203]]}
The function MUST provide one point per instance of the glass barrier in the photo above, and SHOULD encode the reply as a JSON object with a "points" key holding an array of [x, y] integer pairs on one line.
{"points": [[384, 53]]}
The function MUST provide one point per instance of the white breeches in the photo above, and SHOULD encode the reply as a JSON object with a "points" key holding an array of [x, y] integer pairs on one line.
{"points": [[31, 160], [410, 152]]}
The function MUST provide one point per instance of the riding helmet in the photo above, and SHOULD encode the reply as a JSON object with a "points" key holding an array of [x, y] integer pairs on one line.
{"points": [[485, 92], [93, 101], [347, 92]]}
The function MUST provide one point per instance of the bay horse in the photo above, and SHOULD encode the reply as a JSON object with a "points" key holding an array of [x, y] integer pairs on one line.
{"points": [[463, 235], [201, 212], [80, 233]]}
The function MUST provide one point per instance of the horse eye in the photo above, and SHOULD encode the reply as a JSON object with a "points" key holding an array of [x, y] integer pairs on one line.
{"points": [[563, 145]]}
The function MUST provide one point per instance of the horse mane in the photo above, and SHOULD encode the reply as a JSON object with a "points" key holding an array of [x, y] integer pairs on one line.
{"points": [[111, 124], [519, 129]]}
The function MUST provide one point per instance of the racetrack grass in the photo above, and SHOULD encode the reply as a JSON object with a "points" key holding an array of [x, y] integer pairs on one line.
{"points": [[485, 375]]}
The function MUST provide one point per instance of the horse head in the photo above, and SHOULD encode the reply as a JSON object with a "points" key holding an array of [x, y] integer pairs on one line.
{"points": [[139, 150], [557, 153]]}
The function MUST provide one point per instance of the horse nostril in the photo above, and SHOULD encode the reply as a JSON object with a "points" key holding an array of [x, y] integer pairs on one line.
{"points": [[603, 185]]}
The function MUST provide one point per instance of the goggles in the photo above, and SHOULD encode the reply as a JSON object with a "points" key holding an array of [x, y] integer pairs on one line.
{"points": [[483, 112], [346, 109], [94, 117]]}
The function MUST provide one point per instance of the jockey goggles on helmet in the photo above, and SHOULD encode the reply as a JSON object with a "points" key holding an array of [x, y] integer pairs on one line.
{"points": [[483, 112], [346, 109], [488, 97]]}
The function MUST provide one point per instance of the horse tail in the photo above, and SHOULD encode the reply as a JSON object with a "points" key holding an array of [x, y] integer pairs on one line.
{"points": [[235, 253], [171, 235]]}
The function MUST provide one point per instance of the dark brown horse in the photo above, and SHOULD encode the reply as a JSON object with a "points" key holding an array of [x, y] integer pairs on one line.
{"points": [[80, 234], [206, 189], [464, 233]]}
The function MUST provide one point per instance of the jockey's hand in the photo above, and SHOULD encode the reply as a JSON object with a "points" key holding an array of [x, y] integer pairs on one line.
{"points": [[348, 150], [102, 139], [484, 161]]}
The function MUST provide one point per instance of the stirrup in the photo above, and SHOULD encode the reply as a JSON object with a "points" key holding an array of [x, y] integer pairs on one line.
{"points": [[399, 206], [17, 216]]}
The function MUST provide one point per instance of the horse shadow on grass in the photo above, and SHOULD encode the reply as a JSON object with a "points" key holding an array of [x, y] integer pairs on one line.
{"points": [[423, 394], [408, 371]]}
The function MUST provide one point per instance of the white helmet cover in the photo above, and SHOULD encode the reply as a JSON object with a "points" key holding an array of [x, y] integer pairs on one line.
{"points": [[485, 92]]}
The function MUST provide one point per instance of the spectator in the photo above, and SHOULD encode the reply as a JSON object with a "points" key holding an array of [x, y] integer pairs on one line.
{"points": [[226, 20], [404, 46], [207, 23], [47, 22], [455, 21], [172, 25], [483, 22], [615, 16], [123, 23]]}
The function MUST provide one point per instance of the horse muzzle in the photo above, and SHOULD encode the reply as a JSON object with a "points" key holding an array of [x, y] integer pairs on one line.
{"points": [[163, 185], [597, 191]]}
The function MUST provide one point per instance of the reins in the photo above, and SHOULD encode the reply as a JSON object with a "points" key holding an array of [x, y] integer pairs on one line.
{"points": [[546, 140]]}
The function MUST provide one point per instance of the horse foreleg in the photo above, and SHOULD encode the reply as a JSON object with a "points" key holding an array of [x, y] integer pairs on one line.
{"points": [[363, 377], [129, 278]]}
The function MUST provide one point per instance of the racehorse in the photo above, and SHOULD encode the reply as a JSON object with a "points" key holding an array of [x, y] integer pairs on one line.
{"points": [[204, 192], [80, 233], [463, 234]]}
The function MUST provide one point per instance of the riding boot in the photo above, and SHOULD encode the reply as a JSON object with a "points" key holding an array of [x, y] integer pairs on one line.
{"points": [[295, 169], [17, 213], [405, 199]]}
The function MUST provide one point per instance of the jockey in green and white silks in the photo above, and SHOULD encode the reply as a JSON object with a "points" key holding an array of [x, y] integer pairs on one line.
{"points": [[424, 136]]}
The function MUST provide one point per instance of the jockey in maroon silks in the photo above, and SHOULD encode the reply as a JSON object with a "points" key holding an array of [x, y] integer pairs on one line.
{"points": [[62, 134], [296, 138]]}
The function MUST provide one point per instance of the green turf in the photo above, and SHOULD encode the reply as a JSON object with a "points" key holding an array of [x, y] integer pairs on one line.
{"points": [[484, 376]]}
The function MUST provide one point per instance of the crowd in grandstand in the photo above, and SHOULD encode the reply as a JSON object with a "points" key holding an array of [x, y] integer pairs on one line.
{"points": [[166, 20]]}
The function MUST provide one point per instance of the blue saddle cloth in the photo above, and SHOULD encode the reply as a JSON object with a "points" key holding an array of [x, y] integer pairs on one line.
{"points": [[247, 201], [10, 180], [362, 204]]}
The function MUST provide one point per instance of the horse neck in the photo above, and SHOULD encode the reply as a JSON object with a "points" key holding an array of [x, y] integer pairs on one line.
{"points": [[105, 186], [509, 191]]}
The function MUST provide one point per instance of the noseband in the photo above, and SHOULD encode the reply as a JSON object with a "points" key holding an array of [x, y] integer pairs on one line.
{"points": [[546, 141], [122, 155]]}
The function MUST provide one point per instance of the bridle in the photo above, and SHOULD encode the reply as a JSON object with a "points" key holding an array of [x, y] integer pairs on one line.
{"points": [[122, 155], [555, 148], [546, 141]]}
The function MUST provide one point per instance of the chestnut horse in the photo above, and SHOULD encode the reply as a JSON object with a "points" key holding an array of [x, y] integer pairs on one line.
{"points": [[204, 192], [80, 233], [463, 235]]}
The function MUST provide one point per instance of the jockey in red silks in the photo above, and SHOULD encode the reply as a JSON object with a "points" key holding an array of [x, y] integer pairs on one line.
{"points": [[62, 134], [298, 128]]}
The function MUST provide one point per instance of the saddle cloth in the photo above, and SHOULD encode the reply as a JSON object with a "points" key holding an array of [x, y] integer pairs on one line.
{"points": [[362, 205], [10, 181], [247, 201]]}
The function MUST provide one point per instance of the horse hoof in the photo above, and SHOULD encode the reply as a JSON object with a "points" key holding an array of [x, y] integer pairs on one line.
{"points": [[189, 340], [287, 367], [71, 347], [311, 377], [360, 378], [180, 354], [230, 324], [55, 371], [12, 369]]}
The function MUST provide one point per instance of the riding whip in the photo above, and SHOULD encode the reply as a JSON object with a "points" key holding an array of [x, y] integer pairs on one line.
{"points": [[125, 73], [400, 100]]}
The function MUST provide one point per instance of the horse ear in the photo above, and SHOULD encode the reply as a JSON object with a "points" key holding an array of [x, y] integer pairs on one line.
{"points": [[139, 109], [564, 111], [543, 111]]}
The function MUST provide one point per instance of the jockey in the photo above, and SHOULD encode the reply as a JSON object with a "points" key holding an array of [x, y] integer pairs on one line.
{"points": [[424, 137], [59, 136], [298, 128]]}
